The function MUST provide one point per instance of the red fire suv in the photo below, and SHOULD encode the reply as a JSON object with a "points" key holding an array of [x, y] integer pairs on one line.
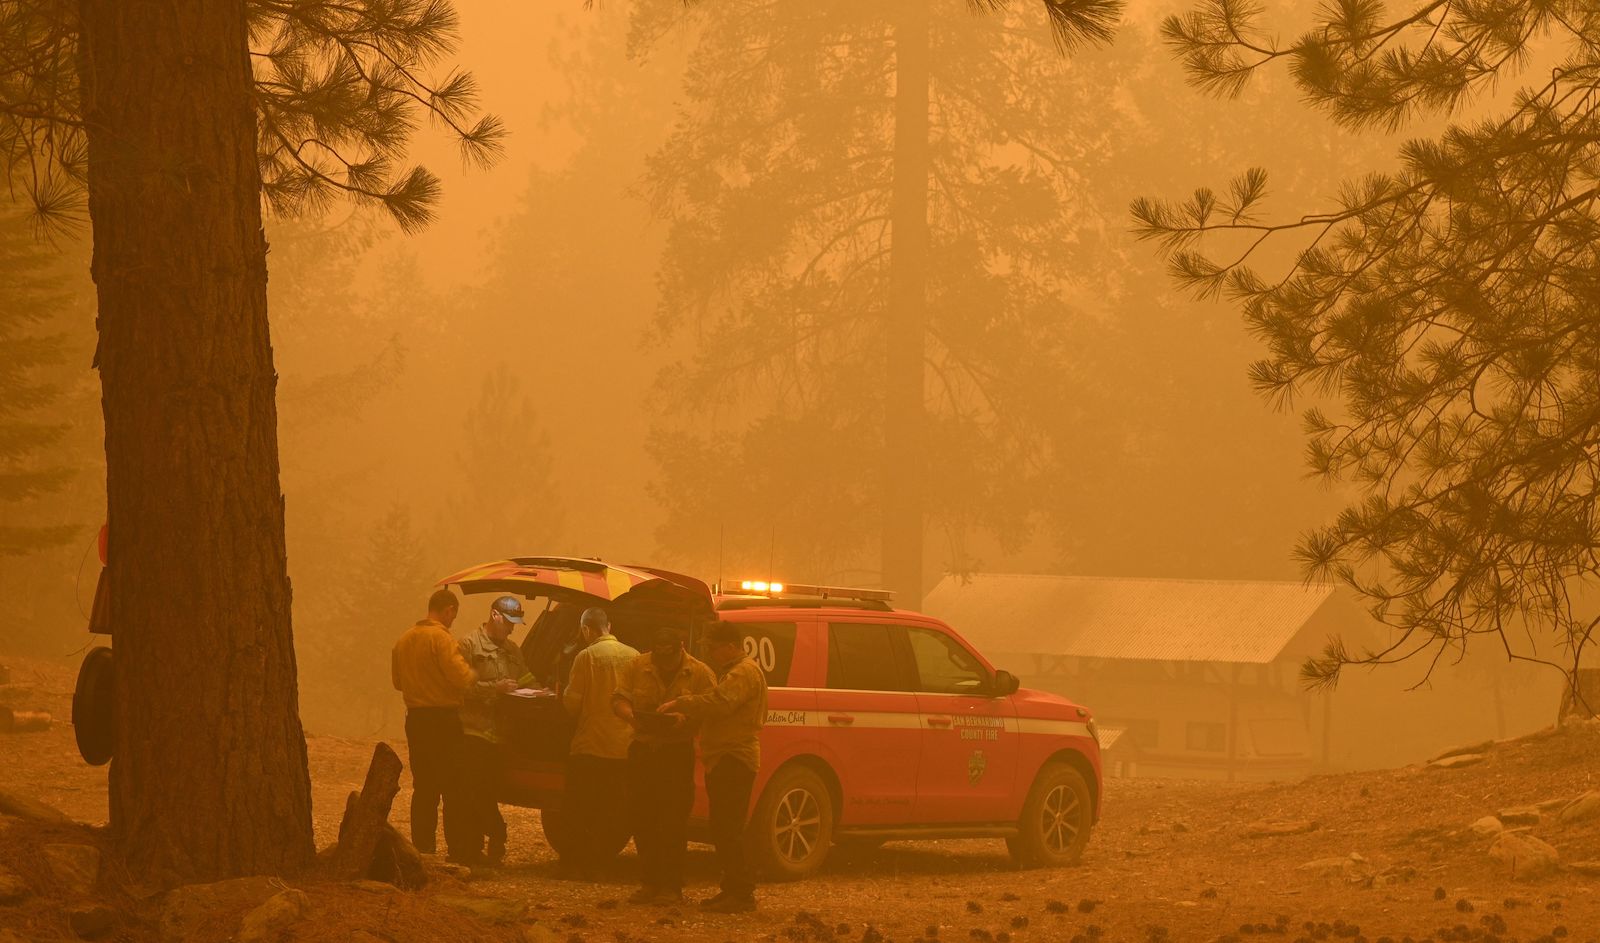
{"points": [[882, 724]]}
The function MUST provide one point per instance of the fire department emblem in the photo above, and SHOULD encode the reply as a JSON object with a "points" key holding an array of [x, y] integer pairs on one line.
{"points": [[976, 767]]}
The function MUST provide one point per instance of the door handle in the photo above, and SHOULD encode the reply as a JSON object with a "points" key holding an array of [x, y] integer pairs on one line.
{"points": [[844, 720], [938, 721]]}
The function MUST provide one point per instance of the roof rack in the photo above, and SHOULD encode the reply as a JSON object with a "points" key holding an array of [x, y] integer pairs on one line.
{"points": [[729, 603]]}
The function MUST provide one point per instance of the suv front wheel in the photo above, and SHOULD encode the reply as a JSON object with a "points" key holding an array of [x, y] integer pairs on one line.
{"points": [[1056, 819], [792, 825]]}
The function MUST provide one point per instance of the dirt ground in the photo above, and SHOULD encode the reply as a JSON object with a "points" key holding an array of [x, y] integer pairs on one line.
{"points": [[1170, 861]]}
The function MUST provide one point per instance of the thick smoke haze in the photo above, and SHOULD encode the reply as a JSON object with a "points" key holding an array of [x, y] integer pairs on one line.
{"points": [[509, 382]]}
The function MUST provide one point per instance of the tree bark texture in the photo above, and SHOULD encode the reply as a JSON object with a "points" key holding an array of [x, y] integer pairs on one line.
{"points": [[210, 777], [905, 403], [1580, 700]]}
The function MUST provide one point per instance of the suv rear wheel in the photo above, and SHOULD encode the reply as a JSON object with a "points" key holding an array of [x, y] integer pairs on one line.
{"points": [[792, 826], [559, 835], [1056, 819]]}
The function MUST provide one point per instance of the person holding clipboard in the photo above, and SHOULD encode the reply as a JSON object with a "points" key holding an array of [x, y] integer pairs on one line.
{"points": [[730, 717], [660, 761]]}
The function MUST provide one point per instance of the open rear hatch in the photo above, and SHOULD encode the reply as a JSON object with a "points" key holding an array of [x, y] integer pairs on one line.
{"points": [[638, 599]]}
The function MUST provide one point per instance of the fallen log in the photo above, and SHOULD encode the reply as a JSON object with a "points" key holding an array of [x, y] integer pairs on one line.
{"points": [[14, 721], [366, 817]]}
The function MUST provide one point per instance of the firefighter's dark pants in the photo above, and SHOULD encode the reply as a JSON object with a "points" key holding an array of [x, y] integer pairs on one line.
{"points": [[660, 795], [728, 787], [480, 799], [433, 744], [595, 807]]}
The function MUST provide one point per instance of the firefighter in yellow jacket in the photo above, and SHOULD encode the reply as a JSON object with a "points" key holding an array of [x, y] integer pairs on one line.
{"points": [[430, 673]]}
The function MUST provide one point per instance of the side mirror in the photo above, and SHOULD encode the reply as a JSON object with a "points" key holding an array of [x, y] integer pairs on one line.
{"points": [[1005, 683]]}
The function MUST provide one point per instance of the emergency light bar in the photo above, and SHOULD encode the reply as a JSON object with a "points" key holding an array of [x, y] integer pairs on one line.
{"points": [[766, 588]]}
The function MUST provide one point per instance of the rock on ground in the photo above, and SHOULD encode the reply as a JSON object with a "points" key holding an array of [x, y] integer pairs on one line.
{"points": [[91, 923], [1487, 827], [1586, 806], [1279, 829], [538, 934], [187, 910], [263, 924], [493, 910], [1482, 747], [1455, 762], [12, 887], [31, 809], [1521, 815], [1353, 868], [77, 867], [1528, 857]]}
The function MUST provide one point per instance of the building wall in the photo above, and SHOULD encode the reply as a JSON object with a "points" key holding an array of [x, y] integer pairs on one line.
{"points": [[1173, 713]]}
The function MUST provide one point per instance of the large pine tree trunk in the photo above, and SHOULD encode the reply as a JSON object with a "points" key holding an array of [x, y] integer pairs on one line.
{"points": [[905, 420], [210, 774]]}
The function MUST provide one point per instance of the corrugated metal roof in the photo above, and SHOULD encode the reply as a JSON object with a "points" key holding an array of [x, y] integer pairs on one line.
{"points": [[1158, 620]]}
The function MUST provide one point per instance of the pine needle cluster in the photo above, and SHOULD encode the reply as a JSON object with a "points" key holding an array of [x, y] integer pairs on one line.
{"points": [[1448, 309], [340, 88]]}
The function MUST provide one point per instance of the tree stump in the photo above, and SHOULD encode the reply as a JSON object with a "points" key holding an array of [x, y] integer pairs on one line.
{"points": [[397, 861], [1581, 701], [366, 817]]}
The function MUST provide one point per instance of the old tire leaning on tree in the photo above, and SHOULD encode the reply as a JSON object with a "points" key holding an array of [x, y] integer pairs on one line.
{"points": [[792, 825], [1056, 819], [558, 832], [93, 707]]}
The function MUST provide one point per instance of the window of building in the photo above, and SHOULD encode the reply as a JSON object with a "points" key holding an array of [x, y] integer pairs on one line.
{"points": [[1206, 737], [1142, 732], [1280, 737]]}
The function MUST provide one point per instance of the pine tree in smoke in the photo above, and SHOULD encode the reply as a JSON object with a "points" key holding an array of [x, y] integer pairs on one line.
{"points": [[505, 504], [32, 424], [1447, 308], [346, 688], [874, 212]]}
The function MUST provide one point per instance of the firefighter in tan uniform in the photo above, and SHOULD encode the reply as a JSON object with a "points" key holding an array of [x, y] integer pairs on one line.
{"points": [[660, 763], [730, 716]]}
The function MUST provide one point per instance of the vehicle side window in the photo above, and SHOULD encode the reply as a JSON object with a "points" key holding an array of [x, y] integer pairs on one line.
{"points": [[862, 657], [771, 645], [944, 666]]}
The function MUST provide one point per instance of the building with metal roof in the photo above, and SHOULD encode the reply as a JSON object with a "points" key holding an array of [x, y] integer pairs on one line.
{"points": [[1196, 676], [1200, 678], [1251, 623]]}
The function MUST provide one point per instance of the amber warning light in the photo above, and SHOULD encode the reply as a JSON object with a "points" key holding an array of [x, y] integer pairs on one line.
{"points": [[775, 588]]}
